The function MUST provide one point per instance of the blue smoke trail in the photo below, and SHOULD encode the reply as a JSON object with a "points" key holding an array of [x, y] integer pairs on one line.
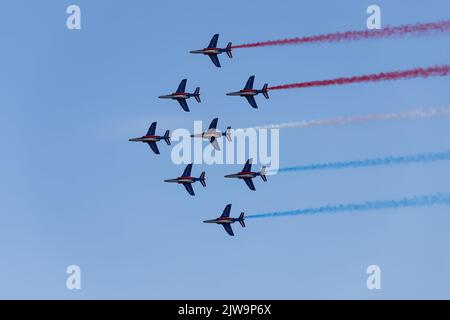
{"points": [[419, 201], [421, 157]]}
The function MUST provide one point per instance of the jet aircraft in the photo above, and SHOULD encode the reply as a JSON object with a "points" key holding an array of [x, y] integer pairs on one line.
{"points": [[247, 175], [249, 93], [150, 138], [186, 180], [212, 51], [226, 221], [212, 134], [181, 95]]}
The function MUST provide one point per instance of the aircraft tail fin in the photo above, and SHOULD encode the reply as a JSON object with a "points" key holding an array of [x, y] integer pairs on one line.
{"points": [[197, 94], [166, 137], [265, 91], [228, 50], [263, 174], [227, 134], [241, 220], [203, 179]]}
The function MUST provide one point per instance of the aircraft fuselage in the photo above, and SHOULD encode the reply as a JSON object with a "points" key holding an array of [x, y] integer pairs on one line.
{"points": [[208, 135], [211, 134], [221, 220], [243, 175], [244, 93], [147, 139], [208, 51], [182, 180], [176, 95]]}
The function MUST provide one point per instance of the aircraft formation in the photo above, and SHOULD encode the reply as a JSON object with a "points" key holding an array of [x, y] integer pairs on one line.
{"points": [[212, 134]]}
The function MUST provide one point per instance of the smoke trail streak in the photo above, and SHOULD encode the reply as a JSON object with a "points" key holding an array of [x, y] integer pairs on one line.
{"points": [[412, 114], [387, 32], [419, 201], [376, 77], [386, 161]]}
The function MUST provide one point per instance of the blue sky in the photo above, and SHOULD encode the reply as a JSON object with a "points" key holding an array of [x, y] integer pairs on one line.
{"points": [[75, 191]]}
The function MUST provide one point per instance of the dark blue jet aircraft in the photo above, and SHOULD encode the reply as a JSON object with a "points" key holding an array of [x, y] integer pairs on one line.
{"points": [[226, 221], [247, 175], [249, 93], [180, 95], [186, 180], [150, 138], [212, 51]]}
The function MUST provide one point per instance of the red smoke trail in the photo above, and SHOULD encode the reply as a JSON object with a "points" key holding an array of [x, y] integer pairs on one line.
{"points": [[384, 76], [418, 29]]}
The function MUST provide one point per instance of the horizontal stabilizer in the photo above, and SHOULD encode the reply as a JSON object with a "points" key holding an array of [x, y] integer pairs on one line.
{"points": [[197, 94], [265, 91], [166, 137], [227, 134], [203, 179], [263, 174], [228, 50], [241, 220]]}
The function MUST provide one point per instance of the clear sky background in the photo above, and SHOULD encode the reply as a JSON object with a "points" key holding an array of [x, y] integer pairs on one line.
{"points": [[75, 191]]}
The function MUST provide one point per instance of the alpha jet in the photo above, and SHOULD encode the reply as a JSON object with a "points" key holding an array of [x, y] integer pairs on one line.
{"points": [[226, 221], [186, 180], [249, 93], [150, 138], [212, 134], [181, 95], [212, 51], [247, 175]]}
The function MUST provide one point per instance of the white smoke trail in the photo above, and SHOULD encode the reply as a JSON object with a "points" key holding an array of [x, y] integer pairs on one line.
{"points": [[412, 114]]}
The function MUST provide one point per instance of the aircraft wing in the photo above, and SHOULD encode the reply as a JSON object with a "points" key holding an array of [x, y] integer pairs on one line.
{"points": [[189, 188], [213, 42], [228, 229], [187, 171], [215, 143], [182, 86], [252, 101], [249, 183], [249, 84], [248, 166], [226, 211], [183, 104], [213, 124], [215, 60], [152, 129], [154, 147]]}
